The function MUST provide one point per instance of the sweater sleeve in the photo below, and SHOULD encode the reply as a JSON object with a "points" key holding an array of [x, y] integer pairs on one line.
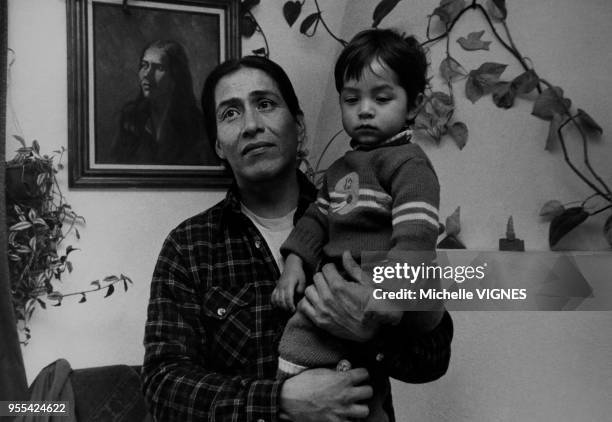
{"points": [[415, 193], [311, 232]]}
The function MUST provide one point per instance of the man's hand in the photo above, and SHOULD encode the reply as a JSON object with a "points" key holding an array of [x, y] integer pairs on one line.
{"points": [[292, 281], [343, 308], [325, 395]]}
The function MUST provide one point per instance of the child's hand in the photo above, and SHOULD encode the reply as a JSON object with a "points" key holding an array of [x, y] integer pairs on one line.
{"points": [[293, 280]]}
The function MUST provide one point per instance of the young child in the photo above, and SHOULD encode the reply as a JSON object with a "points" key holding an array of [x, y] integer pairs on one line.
{"points": [[383, 195]]}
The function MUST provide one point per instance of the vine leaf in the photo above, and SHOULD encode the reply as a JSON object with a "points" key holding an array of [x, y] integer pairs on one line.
{"points": [[525, 82], [451, 69], [504, 94], [587, 123], [564, 223], [247, 5], [382, 9], [247, 26], [20, 140], [260, 51], [553, 132], [607, 229], [448, 10], [453, 225], [110, 290], [549, 103], [450, 242], [459, 132], [482, 80], [309, 21], [56, 296], [83, 298], [473, 42], [551, 209], [291, 11], [497, 9]]}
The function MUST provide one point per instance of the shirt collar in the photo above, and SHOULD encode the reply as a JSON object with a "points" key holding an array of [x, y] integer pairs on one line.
{"points": [[308, 194], [401, 138]]}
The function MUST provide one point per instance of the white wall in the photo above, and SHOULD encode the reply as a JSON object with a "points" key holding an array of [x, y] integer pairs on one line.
{"points": [[505, 366]]}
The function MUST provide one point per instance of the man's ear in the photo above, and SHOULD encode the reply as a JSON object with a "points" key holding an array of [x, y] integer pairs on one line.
{"points": [[416, 108], [218, 150]]}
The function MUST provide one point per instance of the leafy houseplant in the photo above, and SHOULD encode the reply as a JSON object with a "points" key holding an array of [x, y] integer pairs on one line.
{"points": [[39, 219]]}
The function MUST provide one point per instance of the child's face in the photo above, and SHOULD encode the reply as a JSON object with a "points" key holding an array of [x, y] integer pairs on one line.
{"points": [[375, 107]]}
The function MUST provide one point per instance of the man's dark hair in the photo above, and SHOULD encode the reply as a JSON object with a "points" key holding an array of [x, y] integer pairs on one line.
{"points": [[402, 55], [273, 70]]}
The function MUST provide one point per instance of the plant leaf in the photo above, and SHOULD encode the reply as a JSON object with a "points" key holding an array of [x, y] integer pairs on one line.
{"points": [[607, 229], [504, 94], [553, 132], [41, 303], [459, 132], [453, 225], [490, 72], [125, 286], [83, 298], [309, 21], [55, 296], [525, 82], [552, 209], [474, 90], [22, 225], [291, 11], [451, 242], [36, 146], [381, 10], [497, 9], [247, 26], [587, 123], [451, 68], [20, 140], [96, 283], [110, 290], [247, 5], [549, 103], [473, 42], [260, 51], [448, 10], [564, 223]]}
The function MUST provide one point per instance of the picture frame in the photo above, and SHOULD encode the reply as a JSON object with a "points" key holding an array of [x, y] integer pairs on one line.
{"points": [[132, 67]]}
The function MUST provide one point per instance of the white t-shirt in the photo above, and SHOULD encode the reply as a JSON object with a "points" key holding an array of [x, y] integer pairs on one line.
{"points": [[274, 231]]}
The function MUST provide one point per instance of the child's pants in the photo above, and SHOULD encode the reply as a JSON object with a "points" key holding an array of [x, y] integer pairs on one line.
{"points": [[303, 346]]}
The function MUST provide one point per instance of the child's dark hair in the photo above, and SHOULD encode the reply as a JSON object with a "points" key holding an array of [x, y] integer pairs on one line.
{"points": [[403, 55]]}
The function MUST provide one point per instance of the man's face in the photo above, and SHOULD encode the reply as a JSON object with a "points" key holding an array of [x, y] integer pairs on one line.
{"points": [[155, 79], [256, 133]]}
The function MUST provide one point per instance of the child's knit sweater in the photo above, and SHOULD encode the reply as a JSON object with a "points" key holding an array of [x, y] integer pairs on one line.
{"points": [[380, 199]]}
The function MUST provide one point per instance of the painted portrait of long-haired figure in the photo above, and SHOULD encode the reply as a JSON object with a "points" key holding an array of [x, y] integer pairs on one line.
{"points": [[163, 124]]}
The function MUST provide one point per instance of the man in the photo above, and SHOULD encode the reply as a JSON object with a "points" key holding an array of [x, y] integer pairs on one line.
{"points": [[212, 334]]}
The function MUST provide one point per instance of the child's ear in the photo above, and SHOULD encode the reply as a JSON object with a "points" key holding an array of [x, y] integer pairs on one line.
{"points": [[414, 111]]}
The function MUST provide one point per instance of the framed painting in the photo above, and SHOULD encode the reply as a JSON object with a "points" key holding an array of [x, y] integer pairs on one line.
{"points": [[135, 73]]}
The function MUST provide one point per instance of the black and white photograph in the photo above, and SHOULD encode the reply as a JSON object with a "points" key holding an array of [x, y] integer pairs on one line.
{"points": [[306, 210]]}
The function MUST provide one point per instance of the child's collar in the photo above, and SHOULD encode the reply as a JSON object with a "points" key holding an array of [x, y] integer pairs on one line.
{"points": [[400, 138]]}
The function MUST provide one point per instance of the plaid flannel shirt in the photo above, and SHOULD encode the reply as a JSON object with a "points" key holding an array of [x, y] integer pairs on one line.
{"points": [[211, 334]]}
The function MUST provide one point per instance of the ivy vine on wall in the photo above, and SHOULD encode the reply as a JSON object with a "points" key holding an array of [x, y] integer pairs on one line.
{"points": [[436, 116]]}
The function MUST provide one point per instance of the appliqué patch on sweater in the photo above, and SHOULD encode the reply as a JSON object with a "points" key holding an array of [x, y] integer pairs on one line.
{"points": [[345, 196]]}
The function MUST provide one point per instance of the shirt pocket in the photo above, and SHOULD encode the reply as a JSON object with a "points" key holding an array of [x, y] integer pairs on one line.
{"points": [[230, 326]]}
